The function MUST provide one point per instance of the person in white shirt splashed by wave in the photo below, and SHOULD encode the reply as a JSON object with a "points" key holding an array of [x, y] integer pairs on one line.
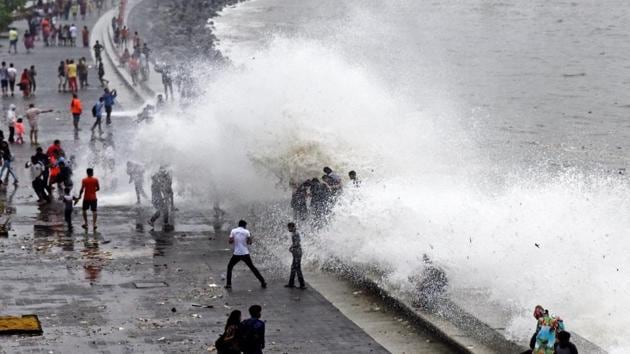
{"points": [[241, 238]]}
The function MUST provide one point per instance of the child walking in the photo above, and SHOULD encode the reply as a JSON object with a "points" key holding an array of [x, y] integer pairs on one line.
{"points": [[69, 201], [19, 131]]}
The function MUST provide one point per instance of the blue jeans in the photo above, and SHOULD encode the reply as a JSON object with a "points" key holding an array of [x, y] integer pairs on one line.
{"points": [[6, 165]]}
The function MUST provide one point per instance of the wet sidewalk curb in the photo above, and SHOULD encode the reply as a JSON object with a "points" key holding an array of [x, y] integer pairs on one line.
{"points": [[102, 32], [449, 321]]}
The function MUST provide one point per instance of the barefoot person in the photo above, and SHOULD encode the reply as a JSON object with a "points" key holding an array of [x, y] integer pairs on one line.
{"points": [[90, 186], [240, 238], [32, 115]]}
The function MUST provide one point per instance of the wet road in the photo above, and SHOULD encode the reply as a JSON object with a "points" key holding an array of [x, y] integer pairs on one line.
{"points": [[83, 286]]}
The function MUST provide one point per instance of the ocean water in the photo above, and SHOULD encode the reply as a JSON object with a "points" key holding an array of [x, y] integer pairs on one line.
{"points": [[490, 135]]}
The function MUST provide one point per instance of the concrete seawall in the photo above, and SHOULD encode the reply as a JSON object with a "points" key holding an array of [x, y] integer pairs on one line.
{"points": [[457, 322]]}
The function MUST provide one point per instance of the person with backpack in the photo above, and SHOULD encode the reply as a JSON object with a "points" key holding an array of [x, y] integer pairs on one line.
{"points": [[110, 100], [97, 113], [228, 342], [252, 332]]}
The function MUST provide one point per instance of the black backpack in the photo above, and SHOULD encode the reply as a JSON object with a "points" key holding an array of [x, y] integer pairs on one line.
{"points": [[94, 111]]}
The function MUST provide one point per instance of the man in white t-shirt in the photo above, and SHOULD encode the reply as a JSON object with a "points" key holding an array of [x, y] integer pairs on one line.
{"points": [[11, 120], [12, 76], [241, 238], [73, 35]]}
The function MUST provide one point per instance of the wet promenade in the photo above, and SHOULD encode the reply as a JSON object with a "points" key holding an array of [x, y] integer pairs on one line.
{"points": [[126, 288]]}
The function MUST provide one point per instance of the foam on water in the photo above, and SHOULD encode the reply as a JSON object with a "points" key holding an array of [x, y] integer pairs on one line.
{"points": [[531, 237]]}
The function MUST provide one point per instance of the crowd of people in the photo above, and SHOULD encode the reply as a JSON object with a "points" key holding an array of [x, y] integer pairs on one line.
{"points": [[10, 80], [136, 61], [322, 194], [51, 169]]}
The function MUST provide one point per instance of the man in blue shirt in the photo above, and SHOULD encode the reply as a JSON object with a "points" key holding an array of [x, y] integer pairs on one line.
{"points": [[252, 332], [97, 110], [109, 98]]}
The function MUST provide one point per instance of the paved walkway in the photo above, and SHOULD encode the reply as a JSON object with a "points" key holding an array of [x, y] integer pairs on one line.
{"points": [[82, 285]]}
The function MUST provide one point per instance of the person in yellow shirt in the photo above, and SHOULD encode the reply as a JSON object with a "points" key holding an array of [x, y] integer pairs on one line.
{"points": [[13, 39], [72, 76]]}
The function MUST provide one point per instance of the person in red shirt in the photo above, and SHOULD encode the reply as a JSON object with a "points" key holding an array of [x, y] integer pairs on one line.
{"points": [[90, 186], [55, 149]]}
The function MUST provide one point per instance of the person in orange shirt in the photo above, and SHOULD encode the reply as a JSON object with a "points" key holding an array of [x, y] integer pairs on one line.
{"points": [[90, 186], [76, 109]]}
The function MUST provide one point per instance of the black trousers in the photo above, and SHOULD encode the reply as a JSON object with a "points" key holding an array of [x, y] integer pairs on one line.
{"points": [[68, 217], [296, 269], [248, 260], [40, 189]]}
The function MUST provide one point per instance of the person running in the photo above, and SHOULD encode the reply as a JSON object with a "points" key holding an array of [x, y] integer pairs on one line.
{"points": [[7, 158], [76, 109], [32, 115], [90, 186], [12, 76], [4, 79], [109, 100], [11, 120], [228, 342], [136, 176], [97, 112], [240, 238], [252, 332], [296, 252]]}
